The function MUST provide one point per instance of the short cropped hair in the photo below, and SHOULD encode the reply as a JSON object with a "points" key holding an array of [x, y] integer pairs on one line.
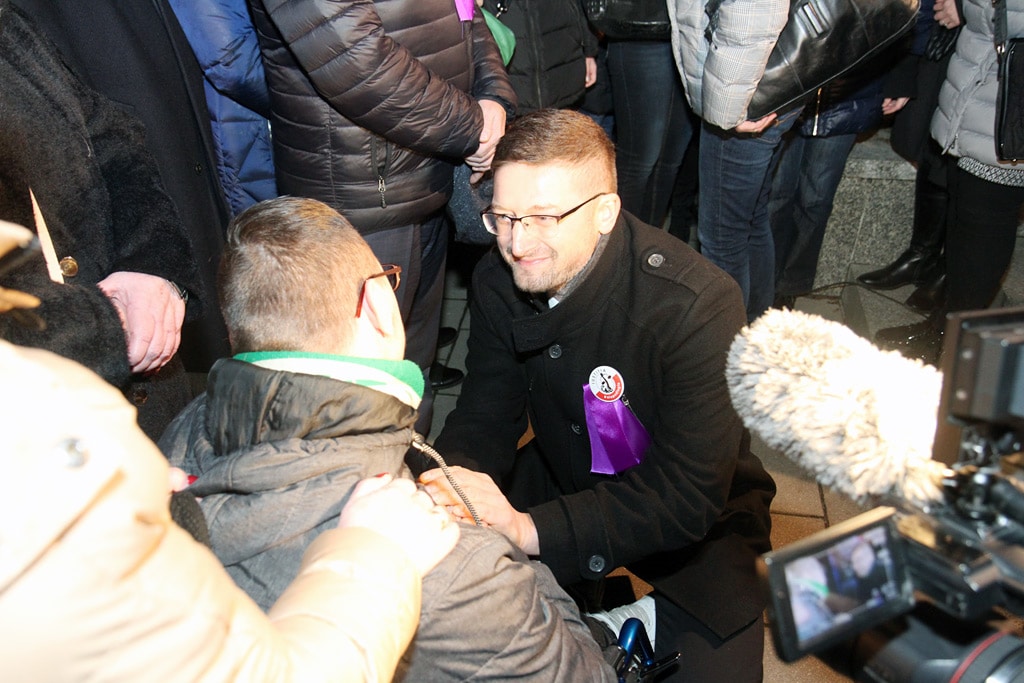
{"points": [[563, 136], [289, 278]]}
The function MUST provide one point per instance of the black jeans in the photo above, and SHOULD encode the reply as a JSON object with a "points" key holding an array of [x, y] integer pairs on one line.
{"points": [[981, 232]]}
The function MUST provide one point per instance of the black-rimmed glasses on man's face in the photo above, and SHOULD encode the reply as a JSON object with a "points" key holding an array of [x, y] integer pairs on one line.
{"points": [[497, 223], [392, 272]]}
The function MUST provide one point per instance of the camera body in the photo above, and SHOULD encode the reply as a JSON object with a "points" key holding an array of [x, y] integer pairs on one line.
{"points": [[911, 594]]}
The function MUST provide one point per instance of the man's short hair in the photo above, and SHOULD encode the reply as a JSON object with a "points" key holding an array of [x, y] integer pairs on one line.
{"points": [[564, 136], [290, 275]]}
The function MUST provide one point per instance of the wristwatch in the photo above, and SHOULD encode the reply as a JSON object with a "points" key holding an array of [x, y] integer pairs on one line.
{"points": [[179, 290]]}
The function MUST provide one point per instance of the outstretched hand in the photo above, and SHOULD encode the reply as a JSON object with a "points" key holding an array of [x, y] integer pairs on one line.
{"points": [[397, 510], [151, 314], [490, 504]]}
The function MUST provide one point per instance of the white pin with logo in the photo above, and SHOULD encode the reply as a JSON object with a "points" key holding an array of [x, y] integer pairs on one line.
{"points": [[606, 383]]}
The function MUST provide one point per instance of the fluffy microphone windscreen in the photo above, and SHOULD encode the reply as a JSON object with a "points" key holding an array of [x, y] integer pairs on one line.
{"points": [[861, 420]]}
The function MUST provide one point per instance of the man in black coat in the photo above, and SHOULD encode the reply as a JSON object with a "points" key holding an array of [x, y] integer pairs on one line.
{"points": [[119, 262], [136, 54], [609, 338]]}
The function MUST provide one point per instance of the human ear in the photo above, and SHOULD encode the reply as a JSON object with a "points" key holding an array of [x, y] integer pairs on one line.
{"points": [[608, 208]]}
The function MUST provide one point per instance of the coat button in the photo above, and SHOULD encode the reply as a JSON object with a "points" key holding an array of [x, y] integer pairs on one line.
{"points": [[555, 351], [68, 267], [72, 454], [596, 564], [139, 396], [655, 260], [576, 429], [199, 168]]}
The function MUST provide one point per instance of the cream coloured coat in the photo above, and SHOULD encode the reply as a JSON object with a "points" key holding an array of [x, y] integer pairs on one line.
{"points": [[97, 583]]}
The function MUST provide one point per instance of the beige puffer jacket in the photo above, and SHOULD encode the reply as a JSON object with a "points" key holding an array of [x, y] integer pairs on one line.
{"points": [[97, 583]]}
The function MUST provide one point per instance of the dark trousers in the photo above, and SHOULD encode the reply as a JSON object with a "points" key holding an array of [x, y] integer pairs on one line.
{"points": [[704, 656], [981, 232], [421, 250]]}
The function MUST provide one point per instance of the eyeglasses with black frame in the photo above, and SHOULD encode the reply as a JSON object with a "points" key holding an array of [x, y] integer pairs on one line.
{"points": [[497, 223], [394, 275]]}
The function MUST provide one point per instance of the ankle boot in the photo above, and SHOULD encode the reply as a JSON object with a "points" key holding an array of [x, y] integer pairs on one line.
{"points": [[930, 296], [915, 265], [903, 271]]}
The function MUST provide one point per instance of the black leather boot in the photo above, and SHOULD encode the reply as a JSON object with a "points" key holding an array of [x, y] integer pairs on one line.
{"points": [[903, 271], [930, 296], [916, 264]]}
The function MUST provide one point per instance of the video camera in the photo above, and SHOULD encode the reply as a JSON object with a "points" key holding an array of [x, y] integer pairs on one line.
{"points": [[905, 593]]}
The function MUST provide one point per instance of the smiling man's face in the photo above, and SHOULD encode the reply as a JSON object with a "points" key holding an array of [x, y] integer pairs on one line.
{"points": [[543, 261]]}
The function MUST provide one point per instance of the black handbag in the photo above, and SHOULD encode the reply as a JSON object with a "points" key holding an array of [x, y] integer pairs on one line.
{"points": [[825, 39], [629, 19], [1009, 131]]}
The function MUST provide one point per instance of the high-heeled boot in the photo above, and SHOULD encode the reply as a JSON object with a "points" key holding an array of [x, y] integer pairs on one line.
{"points": [[915, 264]]}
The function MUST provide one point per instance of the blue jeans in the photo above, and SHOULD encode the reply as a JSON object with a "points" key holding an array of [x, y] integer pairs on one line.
{"points": [[652, 125], [732, 216], [806, 178]]}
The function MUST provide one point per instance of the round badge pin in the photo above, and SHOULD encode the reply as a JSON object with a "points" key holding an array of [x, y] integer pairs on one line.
{"points": [[606, 383]]}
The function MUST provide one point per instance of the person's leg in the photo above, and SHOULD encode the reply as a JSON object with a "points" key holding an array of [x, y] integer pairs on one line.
{"points": [[420, 250], [652, 127], [981, 235], [781, 204], [704, 656], [823, 163], [733, 226]]}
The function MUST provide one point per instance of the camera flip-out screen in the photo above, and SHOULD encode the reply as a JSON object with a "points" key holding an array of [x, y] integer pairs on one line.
{"points": [[831, 586]]}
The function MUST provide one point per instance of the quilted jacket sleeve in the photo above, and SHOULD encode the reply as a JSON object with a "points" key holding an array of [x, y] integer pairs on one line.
{"points": [[373, 80], [739, 50]]}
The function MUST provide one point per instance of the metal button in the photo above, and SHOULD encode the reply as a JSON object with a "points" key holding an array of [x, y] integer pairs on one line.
{"points": [[576, 429], [72, 453], [68, 267], [555, 351], [199, 168], [596, 564], [655, 260], [139, 396]]}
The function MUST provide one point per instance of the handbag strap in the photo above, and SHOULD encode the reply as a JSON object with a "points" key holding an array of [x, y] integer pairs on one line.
{"points": [[999, 26]]}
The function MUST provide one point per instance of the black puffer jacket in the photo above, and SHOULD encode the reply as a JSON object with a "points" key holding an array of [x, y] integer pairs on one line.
{"points": [[374, 101], [552, 39]]}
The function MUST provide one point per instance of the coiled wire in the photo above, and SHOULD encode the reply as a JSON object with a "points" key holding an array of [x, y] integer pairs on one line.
{"points": [[420, 444]]}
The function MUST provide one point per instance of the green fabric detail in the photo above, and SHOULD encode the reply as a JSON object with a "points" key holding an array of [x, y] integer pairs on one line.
{"points": [[404, 371]]}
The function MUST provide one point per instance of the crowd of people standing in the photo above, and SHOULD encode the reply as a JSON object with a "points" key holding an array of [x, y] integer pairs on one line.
{"points": [[243, 210]]}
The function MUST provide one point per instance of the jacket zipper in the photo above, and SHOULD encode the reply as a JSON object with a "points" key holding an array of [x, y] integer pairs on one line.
{"points": [[817, 112], [381, 168]]}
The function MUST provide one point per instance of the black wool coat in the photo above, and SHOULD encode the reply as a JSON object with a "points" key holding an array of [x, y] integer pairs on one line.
{"points": [[98, 190], [689, 519], [136, 54]]}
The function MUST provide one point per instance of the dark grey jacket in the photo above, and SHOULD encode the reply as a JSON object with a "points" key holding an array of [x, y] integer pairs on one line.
{"points": [[278, 454], [373, 102]]}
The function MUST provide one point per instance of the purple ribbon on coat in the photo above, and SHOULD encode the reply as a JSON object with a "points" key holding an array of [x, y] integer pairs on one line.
{"points": [[465, 9], [618, 440]]}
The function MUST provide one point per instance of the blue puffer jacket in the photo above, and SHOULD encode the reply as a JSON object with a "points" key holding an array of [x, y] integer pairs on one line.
{"points": [[225, 44]]}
